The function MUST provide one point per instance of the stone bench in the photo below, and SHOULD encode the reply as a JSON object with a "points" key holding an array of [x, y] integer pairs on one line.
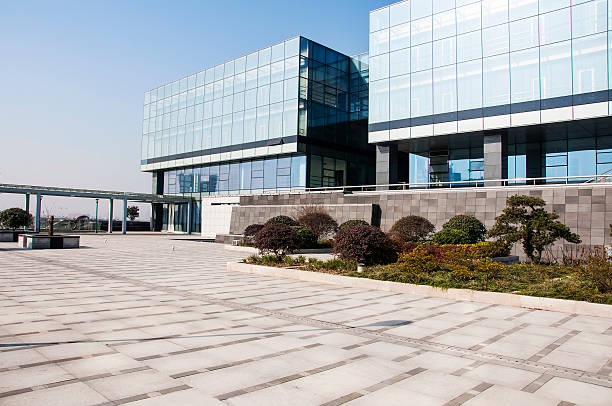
{"points": [[38, 241]]}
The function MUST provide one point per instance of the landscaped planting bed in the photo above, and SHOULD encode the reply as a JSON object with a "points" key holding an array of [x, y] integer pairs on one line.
{"points": [[457, 256]]}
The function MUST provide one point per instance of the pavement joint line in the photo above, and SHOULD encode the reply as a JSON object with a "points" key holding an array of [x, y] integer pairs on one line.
{"points": [[537, 383], [516, 316], [570, 373], [553, 346], [498, 337], [563, 320], [373, 388], [453, 328], [470, 394], [244, 361], [289, 378]]}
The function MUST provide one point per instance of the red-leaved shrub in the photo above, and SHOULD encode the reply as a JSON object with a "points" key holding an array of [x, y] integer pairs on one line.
{"points": [[364, 244]]}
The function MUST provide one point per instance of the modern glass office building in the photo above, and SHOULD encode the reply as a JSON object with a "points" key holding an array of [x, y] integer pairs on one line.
{"points": [[490, 89], [464, 91], [286, 117]]}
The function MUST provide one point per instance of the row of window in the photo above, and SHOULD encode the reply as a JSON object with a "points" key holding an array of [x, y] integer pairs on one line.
{"points": [[562, 69], [263, 97], [269, 122], [546, 29], [473, 13], [238, 177], [570, 157], [250, 83], [260, 59]]}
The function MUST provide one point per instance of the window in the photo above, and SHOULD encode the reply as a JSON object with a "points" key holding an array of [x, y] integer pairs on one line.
{"points": [[399, 63], [421, 31], [399, 13], [399, 37], [400, 97], [469, 46], [524, 34], [496, 80], [555, 26], [379, 101], [379, 19], [496, 40], [444, 25], [494, 12], [379, 42], [421, 57], [590, 63], [468, 18], [525, 75], [445, 90], [556, 70], [589, 18], [421, 94], [444, 52]]}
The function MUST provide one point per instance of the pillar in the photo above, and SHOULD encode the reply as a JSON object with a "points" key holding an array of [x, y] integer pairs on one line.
{"points": [[37, 216], [386, 164], [189, 211], [492, 158], [124, 223], [110, 216], [27, 203]]}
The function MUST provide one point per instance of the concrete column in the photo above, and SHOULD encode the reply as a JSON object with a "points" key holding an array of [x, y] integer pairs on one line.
{"points": [[27, 202], [492, 158], [37, 215], [110, 216], [189, 210], [124, 223], [386, 164]]}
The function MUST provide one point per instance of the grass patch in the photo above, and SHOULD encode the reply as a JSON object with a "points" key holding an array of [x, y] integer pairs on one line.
{"points": [[554, 281]]}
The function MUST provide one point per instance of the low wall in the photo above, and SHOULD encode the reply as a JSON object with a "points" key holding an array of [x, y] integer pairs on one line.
{"points": [[586, 208]]}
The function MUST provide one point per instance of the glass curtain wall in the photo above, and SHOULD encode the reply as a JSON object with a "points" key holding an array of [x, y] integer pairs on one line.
{"points": [[443, 60], [243, 177], [252, 98]]}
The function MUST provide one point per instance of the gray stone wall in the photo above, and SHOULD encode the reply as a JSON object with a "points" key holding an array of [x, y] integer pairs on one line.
{"points": [[586, 209]]}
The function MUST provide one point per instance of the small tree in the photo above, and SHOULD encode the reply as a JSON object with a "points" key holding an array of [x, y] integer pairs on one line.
{"points": [[286, 220], [411, 228], [473, 227], [15, 218], [353, 223], [133, 212], [278, 239], [321, 224], [365, 244], [525, 219]]}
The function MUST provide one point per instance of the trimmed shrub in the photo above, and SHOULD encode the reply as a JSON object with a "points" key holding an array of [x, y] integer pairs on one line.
{"points": [[412, 228], [288, 221], [470, 225], [252, 230], [492, 249], [598, 272], [278, 239], [366, 244], [305, 236], [321, 224], [353, 223], [15, 218], [448, 236]]}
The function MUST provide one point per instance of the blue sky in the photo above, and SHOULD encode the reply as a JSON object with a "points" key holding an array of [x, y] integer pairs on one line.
{"points": [[73, 75]]}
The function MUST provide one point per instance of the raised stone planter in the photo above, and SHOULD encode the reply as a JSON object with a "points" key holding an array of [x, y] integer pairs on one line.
{"points": [[503, 299], [41, 242], [509, 260], [10, 235]]}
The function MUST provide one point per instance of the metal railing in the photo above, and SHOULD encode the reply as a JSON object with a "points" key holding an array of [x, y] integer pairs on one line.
{"points": [[517, 182], [543, 181]]}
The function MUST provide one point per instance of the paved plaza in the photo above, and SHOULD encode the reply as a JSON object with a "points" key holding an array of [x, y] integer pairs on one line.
{"points": [[158, 320]]}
